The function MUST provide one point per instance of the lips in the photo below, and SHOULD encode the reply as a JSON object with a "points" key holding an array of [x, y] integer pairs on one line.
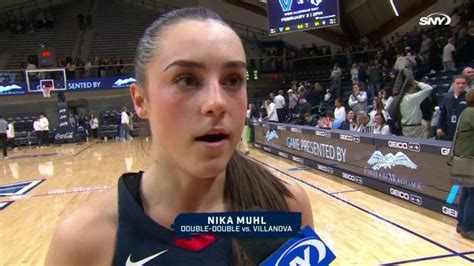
{"points": [[213, 136]]}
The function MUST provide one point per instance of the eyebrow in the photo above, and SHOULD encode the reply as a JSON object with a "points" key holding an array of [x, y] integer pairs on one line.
{"points": [[193, 64]]}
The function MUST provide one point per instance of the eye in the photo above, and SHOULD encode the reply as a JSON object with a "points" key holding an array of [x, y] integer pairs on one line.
{"points": [[233, 81], [186, 81]]}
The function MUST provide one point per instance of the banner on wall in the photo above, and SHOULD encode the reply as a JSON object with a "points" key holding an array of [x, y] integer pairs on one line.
{"points": [[89, 84], [415, 165]]}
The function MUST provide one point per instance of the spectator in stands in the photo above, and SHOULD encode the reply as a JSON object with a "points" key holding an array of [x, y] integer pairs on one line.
{"points": [[409, 108], [44, 127], [374, 73], [381, 127], [463, 145], [11, 133], [387, 98], [94, 124], [309, 120], [354, 73], [358, 99], [362, 76], [336, 80], [292, 102], [304, 108], [340, 110], [377, 107], [326, 121], [3, 136], [271, 110], [280, 106], [468, 74], [363, 123], [448, 55], [425, 48], [348, 123], [451, 108], [124, 125]]}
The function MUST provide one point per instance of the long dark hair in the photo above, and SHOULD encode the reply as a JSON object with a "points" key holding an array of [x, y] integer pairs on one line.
{"points": [[247, 184]]}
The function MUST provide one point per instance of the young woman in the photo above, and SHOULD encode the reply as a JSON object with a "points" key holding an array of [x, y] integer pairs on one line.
{"points": [[381, 126], [377, 107], [191, 88]]}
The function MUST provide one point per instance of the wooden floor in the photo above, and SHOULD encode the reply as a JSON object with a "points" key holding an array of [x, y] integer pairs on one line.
{"points": [[361, 226]]}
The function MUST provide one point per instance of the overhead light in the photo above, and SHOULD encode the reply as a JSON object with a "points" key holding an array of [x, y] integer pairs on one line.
{"points": [[394, 7]]}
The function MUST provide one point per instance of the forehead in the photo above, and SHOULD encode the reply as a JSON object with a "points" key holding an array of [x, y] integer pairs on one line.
{"points": [[199, 40]]}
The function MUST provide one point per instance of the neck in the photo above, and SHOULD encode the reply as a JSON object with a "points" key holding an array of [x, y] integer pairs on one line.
{"points": [[168, 191], [457, 93]]}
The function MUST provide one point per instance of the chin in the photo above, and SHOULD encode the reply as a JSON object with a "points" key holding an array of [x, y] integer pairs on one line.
{"points": [[210, 168]]}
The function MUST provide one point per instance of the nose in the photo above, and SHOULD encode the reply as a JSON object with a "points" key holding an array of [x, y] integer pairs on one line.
{"points": [[214, 100]]}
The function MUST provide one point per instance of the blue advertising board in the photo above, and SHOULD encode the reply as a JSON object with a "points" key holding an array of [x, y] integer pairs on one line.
{"points": [[73, 85]]}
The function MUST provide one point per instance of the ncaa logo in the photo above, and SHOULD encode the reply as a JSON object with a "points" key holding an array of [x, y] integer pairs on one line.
{"points": [[309, 250], [435, 19]]}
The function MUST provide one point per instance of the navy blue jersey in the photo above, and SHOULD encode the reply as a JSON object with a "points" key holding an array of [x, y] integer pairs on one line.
{"points": [[142, 241]]}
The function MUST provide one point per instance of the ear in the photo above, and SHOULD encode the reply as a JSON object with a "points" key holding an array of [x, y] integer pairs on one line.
{"points": [[139, 101]]}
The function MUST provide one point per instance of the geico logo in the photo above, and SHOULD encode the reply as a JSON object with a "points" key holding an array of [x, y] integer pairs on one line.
{"points": [[321, 133], [345, 137], [398, 145], [258, 146], [297, 159], [297, 130], [281, 128], [399, 194], [352, 178], [282, 154], [264, 125], [267, 149], [325, 169], [445, 151], [450, 212]]}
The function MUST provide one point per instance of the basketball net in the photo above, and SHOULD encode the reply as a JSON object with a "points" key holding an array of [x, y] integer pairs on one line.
{"points": [[46, 91]]}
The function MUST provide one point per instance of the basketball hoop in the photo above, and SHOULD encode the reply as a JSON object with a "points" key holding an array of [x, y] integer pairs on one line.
{"points": [[46, 91]]}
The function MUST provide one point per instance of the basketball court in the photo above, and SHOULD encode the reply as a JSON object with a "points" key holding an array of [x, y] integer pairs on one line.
{"points": [[361, 226]]}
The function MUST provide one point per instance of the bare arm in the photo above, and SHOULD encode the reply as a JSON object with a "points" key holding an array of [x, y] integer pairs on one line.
{"points": [[300, 203]]}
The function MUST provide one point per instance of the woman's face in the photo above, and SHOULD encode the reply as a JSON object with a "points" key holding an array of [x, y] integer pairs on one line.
{"points": [[378, 120], [350, 115], [196, 97]]}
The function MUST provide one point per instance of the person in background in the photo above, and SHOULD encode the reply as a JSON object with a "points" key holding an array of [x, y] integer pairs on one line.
{"points": [[304, 108], [326, 121], [358, 99], [377, 107], [348, 123], [463, 145], [38, 133], [451, 108], [354, 74], [272, 115], [293, 101], [448, 55], [340, 110], [280, 106], [409, 108], [336, 76], [11, 133], [387, 98], [381, 126], [124, 124], [44, 128], [468, 74], [309, 120], [94, 124], [363, 123], [3, 136]]}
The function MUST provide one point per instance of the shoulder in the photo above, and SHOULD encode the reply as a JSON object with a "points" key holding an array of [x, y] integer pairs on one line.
{"points": [[300, 203], [87, 237]]}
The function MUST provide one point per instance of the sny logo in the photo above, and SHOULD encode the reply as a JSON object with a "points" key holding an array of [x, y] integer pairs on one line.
{"points": [[286, 4], [437, 18], [309, 250]]}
